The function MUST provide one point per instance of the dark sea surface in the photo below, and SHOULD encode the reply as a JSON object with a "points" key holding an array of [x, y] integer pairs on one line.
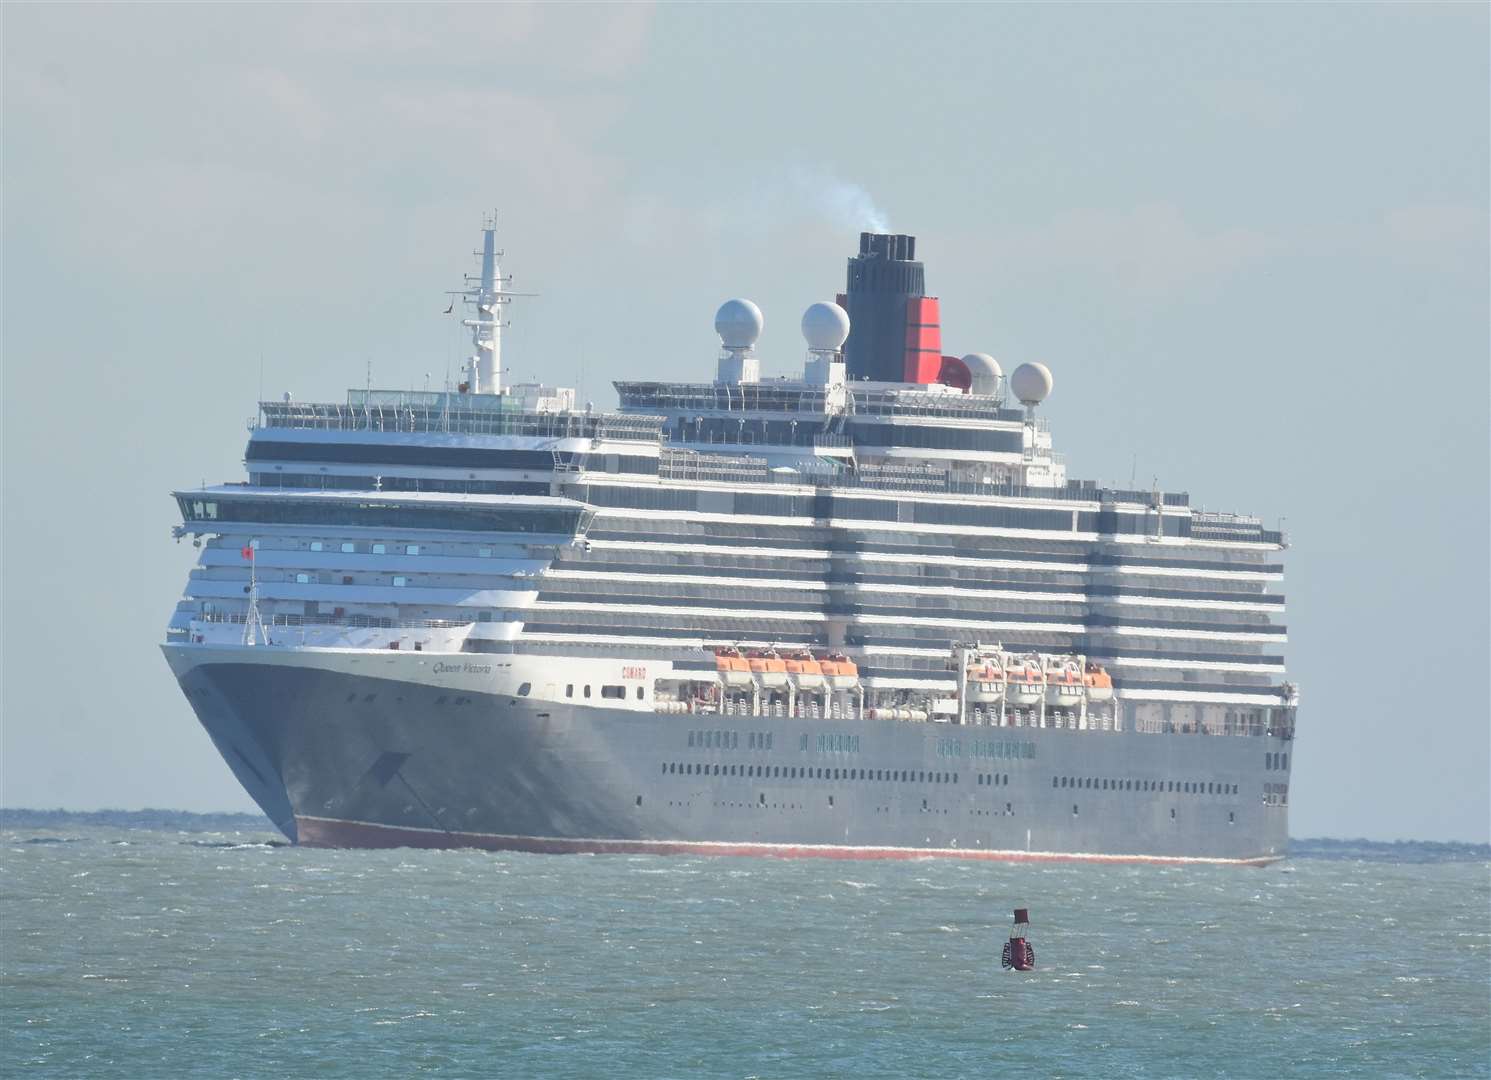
{"points": [[163, 945]]}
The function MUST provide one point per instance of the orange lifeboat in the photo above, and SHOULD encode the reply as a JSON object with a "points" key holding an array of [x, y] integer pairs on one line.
{"points": [[1098, 682], [732, 668], [842, 672], [1064, 686], [985, 682], [1025, 683], [769, 669], [804, 670]]}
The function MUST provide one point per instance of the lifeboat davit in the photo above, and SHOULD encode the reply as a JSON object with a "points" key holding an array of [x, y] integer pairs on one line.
{"points": [[732, 668], [1025, 684], [1098, 682]]}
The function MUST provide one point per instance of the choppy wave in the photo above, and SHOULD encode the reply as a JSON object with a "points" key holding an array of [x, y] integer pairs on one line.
{"points": [[208, 944]]}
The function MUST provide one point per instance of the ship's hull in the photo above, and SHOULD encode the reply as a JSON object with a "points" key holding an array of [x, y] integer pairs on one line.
{"points": [[378, 757]]}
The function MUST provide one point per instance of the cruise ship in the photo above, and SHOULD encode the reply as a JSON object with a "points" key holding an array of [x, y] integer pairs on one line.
{"points": [[857, 611]]}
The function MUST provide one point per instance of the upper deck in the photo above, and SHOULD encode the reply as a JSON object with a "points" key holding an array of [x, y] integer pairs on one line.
{"points": [[786, 398], [440, 412]]}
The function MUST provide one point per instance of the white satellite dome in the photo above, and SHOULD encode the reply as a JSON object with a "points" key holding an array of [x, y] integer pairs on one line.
{"points": [[985, 371], [825, 327], [1031, 383], [739, 323]]}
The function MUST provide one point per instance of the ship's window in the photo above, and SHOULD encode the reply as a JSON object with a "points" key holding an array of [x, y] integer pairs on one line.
{"points": [[411, 549], [1284, 761], [302, 579], [485, 553], [639, 800], [768, 740], [1172, 813], [569, 691], [346, 579], [830, 800], [316, 545], [1009, 808], [613, 692], [587, 691], [1074, 809], [1231, 818], [380, 549], [400, 582], [349, 547], [524, 689]]}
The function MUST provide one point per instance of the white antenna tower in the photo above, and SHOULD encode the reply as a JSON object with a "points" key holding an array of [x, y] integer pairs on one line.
{"points": [[489, 296]]}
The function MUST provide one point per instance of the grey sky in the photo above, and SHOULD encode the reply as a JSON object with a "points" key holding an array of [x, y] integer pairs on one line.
{"points": [[1250, 241]]}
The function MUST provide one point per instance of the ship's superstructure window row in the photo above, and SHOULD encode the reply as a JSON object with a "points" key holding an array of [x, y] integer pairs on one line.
{"points": [[338, 482], [826, 505], [490, 518]]}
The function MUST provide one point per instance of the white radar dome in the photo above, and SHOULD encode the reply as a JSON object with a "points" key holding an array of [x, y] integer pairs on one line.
{"points": [[825, 327], [739, 323], [1031, 383], [985, 371]]}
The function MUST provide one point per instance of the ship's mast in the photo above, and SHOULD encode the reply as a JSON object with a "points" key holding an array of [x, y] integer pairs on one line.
{"points": [[253, 624], [485, 365]]}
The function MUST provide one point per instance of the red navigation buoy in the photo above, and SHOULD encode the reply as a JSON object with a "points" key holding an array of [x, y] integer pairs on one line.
{"points": [[1018, 952]]}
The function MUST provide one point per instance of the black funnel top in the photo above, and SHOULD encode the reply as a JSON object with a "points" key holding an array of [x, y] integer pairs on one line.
{"points": [[882, 278]]}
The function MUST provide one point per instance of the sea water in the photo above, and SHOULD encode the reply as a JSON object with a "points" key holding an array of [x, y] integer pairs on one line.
{"points": [[207, 947]]}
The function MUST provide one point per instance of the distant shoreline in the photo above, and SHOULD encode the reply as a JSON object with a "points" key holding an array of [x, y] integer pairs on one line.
{"points": [[16, 817]]}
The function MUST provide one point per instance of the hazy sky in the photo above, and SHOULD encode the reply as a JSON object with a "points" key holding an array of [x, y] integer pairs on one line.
{"points": [[1249, 240]]}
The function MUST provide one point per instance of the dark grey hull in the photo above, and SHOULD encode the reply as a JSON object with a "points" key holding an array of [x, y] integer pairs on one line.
{"points": [[354, 760]]}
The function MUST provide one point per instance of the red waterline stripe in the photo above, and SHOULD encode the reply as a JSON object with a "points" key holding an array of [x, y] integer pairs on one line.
{"points": [[333, 833]]}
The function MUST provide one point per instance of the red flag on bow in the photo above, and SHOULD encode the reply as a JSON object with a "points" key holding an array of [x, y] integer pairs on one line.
{"points": [[248, 553]]}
